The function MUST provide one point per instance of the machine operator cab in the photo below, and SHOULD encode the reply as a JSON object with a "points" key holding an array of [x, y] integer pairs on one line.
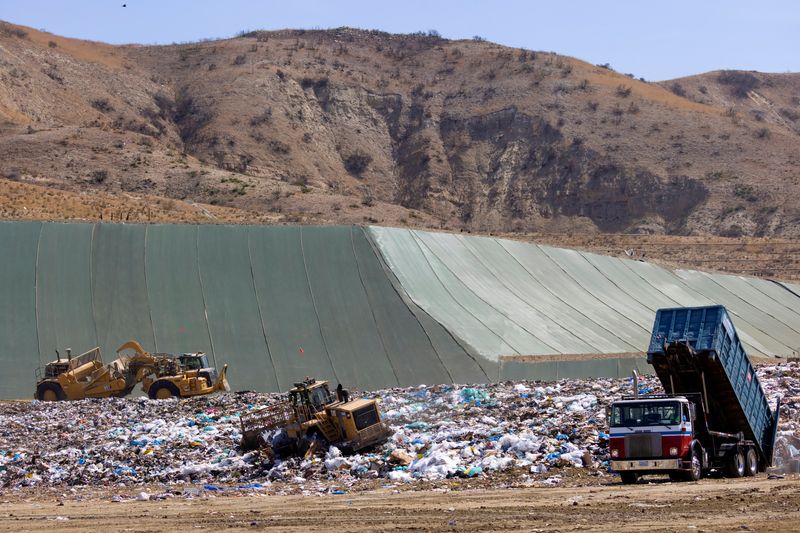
{"points": [[310, 396], [198, 361]]}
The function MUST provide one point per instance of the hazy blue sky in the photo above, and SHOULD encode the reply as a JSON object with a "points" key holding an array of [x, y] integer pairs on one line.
{"points": [[655, 40]]}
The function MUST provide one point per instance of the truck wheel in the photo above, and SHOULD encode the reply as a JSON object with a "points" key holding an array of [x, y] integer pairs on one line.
{"points": [[696, 471], [736, 464], [628, 478], [50, 392], [751, 463], [161, 390]]}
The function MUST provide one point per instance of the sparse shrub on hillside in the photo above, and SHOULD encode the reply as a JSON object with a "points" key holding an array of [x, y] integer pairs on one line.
{"points": [[478, 38], [262, 118], [583, 85], [591, 105], [678, 90], [606, 66], [746, 192], [703, 89], [739, 83], [53, 73], [99, 176], [102, 105], [357, 162], [307, 138], [240, 59], [279, 147], [7, 29], [633, 108], [758, 116], [623, 91], [52, 44], [189, 115], [367, 198], [762, 133], [212, 66], [789, 114]]}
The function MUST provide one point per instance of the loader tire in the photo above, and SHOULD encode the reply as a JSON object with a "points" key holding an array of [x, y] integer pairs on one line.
{"points": [[629, 478], [161, 390], [50, 392]]}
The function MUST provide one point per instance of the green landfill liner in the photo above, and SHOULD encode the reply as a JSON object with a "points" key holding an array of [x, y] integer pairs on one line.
{"points": [[368, 307]]}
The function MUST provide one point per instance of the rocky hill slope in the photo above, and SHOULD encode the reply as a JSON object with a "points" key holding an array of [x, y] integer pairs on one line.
{"points": [[358, 126]]}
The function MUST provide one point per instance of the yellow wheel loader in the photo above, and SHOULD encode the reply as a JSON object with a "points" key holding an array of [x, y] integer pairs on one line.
{"points": [[161, 375], [312, 417]]}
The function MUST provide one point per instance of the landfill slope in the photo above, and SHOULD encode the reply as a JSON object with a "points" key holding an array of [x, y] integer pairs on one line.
{"points": [[542, 311], [370, 308], [276, 303], [539, 433]]}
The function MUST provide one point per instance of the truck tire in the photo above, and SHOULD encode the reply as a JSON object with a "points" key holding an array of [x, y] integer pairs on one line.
{"points": [[50, 392], [696, 470], [751, 463], [735, 465], [161, 390], [628, 478]]}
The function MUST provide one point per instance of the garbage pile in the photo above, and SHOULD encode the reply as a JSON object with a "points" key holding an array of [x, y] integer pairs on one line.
{"points": [[534, 431]]}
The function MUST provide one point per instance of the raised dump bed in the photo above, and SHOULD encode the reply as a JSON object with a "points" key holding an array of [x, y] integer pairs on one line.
{"points": [[695, 350]]}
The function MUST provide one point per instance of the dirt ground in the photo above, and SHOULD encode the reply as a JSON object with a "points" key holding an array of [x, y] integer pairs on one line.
{"points": [[759, 504]]}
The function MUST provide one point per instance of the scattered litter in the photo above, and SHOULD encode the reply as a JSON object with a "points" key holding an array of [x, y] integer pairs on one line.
{"points": [[538, 431]]}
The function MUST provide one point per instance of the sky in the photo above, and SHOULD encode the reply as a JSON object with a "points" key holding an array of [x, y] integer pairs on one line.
{"points": [[654, 40]]}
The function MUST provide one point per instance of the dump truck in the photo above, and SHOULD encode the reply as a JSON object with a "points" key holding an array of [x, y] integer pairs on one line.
{"points": [[311, 417], [713, 415], [161, 375]]}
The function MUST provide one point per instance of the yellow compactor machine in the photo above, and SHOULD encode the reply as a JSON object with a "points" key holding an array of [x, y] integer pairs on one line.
{"points": [[161, 375], [312, 417]]}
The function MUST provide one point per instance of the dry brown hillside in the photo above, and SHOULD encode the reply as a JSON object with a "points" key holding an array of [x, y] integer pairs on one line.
{"points": [[358, 126]]}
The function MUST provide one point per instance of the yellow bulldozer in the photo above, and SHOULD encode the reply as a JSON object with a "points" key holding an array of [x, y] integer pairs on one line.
{"points": [[312, 417], [161, 375]]}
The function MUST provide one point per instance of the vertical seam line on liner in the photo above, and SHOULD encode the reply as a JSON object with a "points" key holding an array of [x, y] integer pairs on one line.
{"points": [[91, 282], [751, 305], [467, 246], [447, 290], [203, 294], [573, 278], [258, 306], [620, 289], [397, 286], [36, 294], [712, 278], [369, 305], [785, 286], [775, 282], [689, 290], [559, 298], [316, 311], [386, 272], [147, 290], [746, 281], [501, 313]]}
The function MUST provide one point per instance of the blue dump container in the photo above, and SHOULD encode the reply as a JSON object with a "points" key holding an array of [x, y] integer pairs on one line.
{"points": [[712, 362]]}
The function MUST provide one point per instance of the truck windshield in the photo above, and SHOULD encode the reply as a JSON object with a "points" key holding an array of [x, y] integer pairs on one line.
{"points": [[646, 414]]}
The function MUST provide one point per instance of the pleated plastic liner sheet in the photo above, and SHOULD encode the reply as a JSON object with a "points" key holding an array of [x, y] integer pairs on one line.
{"points": [[370, 308], [513, 301]]}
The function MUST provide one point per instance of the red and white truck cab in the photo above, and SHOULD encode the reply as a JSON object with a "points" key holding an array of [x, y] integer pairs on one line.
{"points": [[651, 435]]}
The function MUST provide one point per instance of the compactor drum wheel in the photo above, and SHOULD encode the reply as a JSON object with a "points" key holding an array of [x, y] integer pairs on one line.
{"points": [[50, 392], [162, 390], [751, 463]]}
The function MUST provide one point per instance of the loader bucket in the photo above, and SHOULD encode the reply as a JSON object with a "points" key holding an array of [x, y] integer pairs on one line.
{"points": [[222, 381]]}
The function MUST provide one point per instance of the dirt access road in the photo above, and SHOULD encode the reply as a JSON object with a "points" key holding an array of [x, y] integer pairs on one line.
{"points": [[757, 504]]}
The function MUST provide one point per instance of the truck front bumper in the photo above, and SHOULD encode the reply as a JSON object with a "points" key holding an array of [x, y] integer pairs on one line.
{"points": [[646, 464]]}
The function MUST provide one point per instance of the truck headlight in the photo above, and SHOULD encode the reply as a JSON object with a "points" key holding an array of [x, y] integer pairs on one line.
{"points": [[615, 453], [673, 451]]}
